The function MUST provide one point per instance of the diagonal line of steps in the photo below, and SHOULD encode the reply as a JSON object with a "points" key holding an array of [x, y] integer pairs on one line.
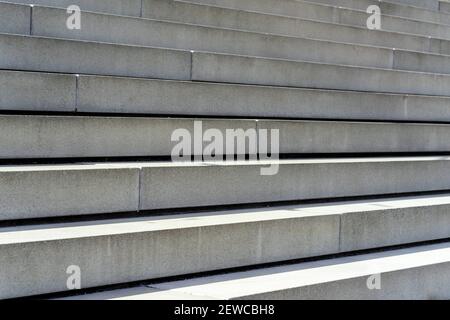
{"points": [[122, 250]]}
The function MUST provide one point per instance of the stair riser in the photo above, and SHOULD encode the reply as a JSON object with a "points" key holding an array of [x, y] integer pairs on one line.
{"points": [[67, 192], [248, 70], [293, 182], [57, 92], [168, 97], [52, 55], [64, 137]]}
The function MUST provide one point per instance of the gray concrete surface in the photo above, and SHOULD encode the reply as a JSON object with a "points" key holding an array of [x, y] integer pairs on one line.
{"points": [[55, 55], [278, 72], [37, 91], [233, 238], [118, 251], [31, 136], [121, 7], [115, 29], [414, 273], [61, 190], [341, 137], [329, 10], [15, 18], [190, 98], [254, 21], [185, 185]]}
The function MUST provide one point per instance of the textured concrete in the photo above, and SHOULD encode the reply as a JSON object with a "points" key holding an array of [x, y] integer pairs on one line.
{"points": [[331, 9], [58, 190], [402, 4], [262, 71], [174, 97], [15, 18], [254, 21], [122, 7], [55, 55], [414, 273], [338, 15], [341, 137], [233, 238], [184, 185], [58, 137], [109, 252], [115, 29], [37, 91]]}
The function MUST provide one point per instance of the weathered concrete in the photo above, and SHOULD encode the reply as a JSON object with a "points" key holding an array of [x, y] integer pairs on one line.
{"points": [[109, 252], [59, 136], [363, 4], [15, 18], [55, 55], [190, 98], [414, 273], [264, 71], [37, 91], [341, 137], [252, 236], [115, 29], [122, 7], [339, 15], [329, 10], [254, 21], [184, 185], [61, 190]]}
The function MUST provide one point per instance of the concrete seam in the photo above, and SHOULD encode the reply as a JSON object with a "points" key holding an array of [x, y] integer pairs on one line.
{"points": [[191, 64], [394, 58], [31, 20], [257, 139], [139, 189], [141, 9], [339, 234], [77, 77]]}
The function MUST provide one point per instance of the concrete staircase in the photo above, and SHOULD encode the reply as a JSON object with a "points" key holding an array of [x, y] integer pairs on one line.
{"points": [[86, 118]]}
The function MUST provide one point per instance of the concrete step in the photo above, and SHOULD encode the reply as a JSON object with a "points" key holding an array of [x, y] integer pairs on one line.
{"points": [[192, 98], [75, 56], [135, 249], [47, 22], [35, 91], [111, 28], [415, 273], [277, 72], [56, 55], [338, 15], [91, 188], [330, 10], [34, 136], [283, 25]]}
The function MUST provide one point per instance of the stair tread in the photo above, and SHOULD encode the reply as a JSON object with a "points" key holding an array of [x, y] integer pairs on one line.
{"points": [[96, 228]]}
